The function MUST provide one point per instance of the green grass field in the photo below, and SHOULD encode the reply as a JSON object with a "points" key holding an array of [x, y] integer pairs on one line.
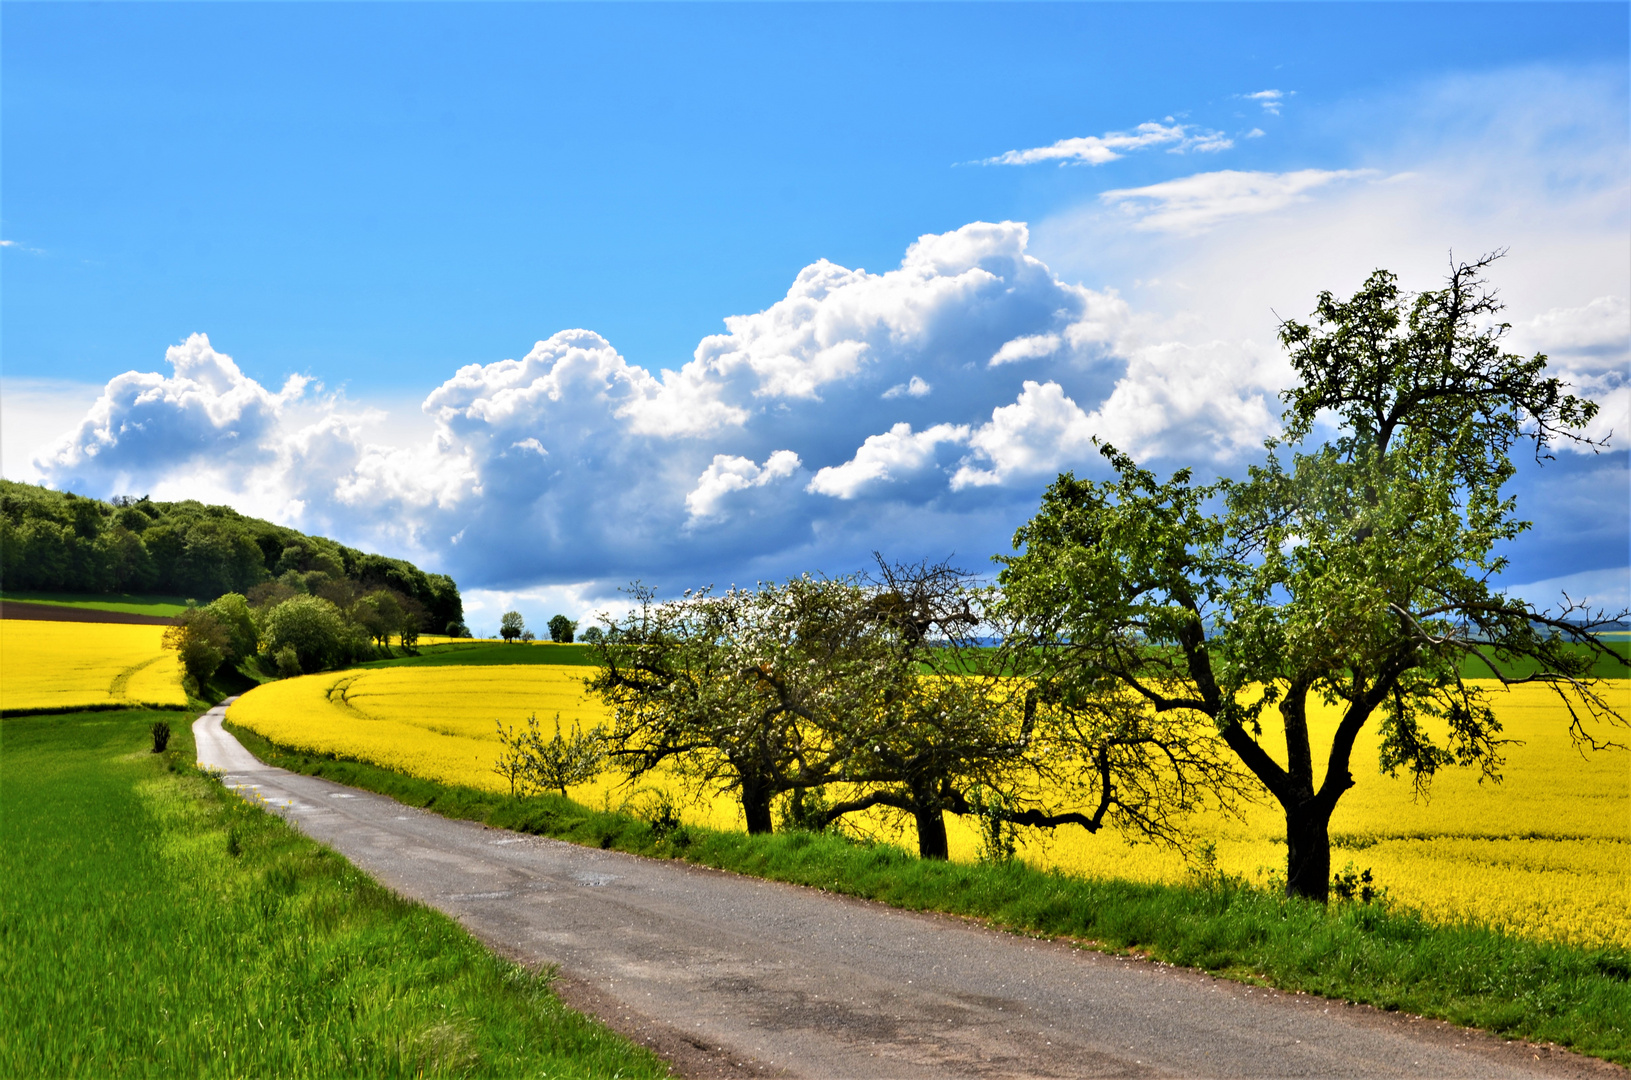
{"points": [[491, 652], [153, 924], [131, 605], [1393, 959]]}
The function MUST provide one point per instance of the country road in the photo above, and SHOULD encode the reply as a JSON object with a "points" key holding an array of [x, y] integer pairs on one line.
{"points": [[728, 975]]}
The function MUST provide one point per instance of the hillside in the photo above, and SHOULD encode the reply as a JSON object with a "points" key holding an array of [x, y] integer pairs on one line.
{"points": [[59, 542]]}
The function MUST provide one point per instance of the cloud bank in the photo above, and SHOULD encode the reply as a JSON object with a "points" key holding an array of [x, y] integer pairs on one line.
{"points": [[965, 377], [921, 409]]}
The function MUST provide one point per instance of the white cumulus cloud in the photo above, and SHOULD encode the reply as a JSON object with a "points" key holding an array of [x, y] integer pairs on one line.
{"points": [[729, 473], [896, 454]]}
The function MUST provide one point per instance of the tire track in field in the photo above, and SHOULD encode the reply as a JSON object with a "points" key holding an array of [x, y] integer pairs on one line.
{"points": [[119, 688]]}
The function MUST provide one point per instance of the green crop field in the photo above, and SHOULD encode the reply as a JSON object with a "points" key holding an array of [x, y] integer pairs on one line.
{"points": [[130, 605], [156, 925], [462, 653]]}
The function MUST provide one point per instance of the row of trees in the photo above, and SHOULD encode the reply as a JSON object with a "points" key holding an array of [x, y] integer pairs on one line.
{"points": [[1144, 627], [512, 627], [56, 541]]}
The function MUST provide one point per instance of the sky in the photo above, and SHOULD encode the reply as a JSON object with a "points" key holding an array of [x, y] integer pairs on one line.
{"points": [[553, 298]]}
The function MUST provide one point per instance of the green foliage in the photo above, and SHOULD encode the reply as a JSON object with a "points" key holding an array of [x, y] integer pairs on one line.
{"points": [[158, 925], [288, 662], [511, 626], [161, 736], [202, 642], [59, 542], [1365, 952], [231, 610], [531, 763], [315, 629], [999, 838], [561, 629], [1357, 572], [486, 653]]}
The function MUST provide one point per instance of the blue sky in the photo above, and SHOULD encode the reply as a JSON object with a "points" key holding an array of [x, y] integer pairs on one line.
{"points": [[373, 197]]}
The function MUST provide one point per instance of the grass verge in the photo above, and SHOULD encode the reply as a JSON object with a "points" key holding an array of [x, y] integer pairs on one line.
{"points": [[1467, 974], [153, 924]]}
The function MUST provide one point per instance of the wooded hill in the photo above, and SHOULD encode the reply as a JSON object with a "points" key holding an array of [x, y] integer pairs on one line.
{"points": [[56, 541]]}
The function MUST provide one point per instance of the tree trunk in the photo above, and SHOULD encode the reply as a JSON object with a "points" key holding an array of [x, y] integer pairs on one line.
{"points": [[931, 834], [756, 796], [1308, 852]]}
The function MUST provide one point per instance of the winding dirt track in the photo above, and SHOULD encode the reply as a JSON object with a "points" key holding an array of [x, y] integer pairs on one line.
{"points": [[727, 975]]}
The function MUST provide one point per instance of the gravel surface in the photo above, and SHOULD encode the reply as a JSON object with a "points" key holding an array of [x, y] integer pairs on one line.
{"points": [[727, 975]]}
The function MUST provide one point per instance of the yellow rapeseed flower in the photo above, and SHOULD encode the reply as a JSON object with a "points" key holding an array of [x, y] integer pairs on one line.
{"points": [[1544, 853], [75, 665]]}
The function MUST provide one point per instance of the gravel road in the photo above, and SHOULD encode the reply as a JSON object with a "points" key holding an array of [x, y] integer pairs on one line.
{"points": [[728, 976]]}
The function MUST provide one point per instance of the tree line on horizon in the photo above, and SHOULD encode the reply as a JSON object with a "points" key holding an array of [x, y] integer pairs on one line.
{"points": [[57, 541]]}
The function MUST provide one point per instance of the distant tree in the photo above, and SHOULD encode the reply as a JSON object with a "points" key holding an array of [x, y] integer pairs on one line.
{"points": [[511, 626], [594, 635], [380, 614], [528, 635], [202, 643], [561, 629], [457, 629]]}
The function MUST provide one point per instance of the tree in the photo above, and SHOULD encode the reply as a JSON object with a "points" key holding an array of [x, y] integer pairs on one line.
{"points": [[201, 643], [925, 723], [511, 626], [791, 687], [561, 629], [1357, 574], [231, 610], [738, 691], [570, 758], [381, 613], [316, 631]]}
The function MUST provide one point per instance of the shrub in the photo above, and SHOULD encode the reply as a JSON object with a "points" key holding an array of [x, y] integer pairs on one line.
{"points": [[201, 641], [161, 736], [316, 631], [288, 662]]}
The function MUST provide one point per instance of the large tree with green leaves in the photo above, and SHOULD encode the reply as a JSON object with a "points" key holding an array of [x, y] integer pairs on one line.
{"points": [[1356, 571]]}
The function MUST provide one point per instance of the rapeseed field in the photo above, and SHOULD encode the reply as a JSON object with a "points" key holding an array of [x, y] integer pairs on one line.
{"points": [[1544, 853], [77, 665]]}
